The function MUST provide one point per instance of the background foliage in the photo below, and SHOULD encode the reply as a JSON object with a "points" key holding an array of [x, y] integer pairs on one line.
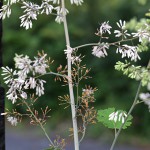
{"points": [[115, 90]]}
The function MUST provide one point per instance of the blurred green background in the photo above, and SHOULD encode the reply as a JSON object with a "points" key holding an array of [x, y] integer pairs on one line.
{"points": [[115, 90]]}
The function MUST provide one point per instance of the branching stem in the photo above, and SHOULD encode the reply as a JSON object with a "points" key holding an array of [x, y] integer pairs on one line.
{"points": [[37, 120]]}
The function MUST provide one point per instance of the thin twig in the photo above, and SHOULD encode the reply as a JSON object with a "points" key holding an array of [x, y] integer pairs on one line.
{"points": [[83, 134], [97, 44], [39, 123], [53, 73], [130, 111]]}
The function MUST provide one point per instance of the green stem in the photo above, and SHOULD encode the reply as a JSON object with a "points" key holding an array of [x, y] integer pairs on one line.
{"points": [[96, 44], [85, 45], [53, 73]]}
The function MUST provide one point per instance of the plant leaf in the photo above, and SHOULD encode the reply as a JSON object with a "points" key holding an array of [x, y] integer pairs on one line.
{"points": [[103, 117]]}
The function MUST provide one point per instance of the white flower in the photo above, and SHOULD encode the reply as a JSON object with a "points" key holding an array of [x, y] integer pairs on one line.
{"points": [[146, 98], [31, 82], [13, 1], [26, 22], [56, 1], [40, 87], [122, 117], [40, 65], [77, 2], [117, 116], [14, 84], [23, 95], [12, 96], [75, 59], [143, 33], [31, 11], [100, 50], [121, 33], [68, 51], [12, 120], [121, 24], [5, 11], [60, 13], [105, 28], [46, 7], [128, 51], [113, 116], [7, 72], [23, 63], [15, 87]]}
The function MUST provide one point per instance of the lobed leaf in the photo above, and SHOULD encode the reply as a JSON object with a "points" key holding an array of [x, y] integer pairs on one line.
{"points": [[103, 117]]}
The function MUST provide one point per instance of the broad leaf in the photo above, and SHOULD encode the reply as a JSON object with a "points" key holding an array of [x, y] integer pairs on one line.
{"points": [[103, 117]]}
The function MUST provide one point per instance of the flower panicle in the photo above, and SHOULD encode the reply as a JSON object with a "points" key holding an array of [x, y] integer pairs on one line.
{"points": [[25, 76]]}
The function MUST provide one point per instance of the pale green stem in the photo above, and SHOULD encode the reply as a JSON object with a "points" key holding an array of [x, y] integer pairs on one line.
{"points": [[96, 44], [42, 127], [77, 88], [71, 93], [130, 111], [85, 45], [53, 73]]}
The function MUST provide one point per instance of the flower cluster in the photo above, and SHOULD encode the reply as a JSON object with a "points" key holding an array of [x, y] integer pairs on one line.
{"points": [[12, 120], [104, 28], [118, 116], [60, 14], [127, 51], [145, 97], [143, 33], [68, 51], [76, 59], [24, 77], [100, 50], [32, 10]]}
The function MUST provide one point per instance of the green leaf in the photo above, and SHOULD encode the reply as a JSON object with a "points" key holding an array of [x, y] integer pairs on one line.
{"points": [[103, 117]]}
